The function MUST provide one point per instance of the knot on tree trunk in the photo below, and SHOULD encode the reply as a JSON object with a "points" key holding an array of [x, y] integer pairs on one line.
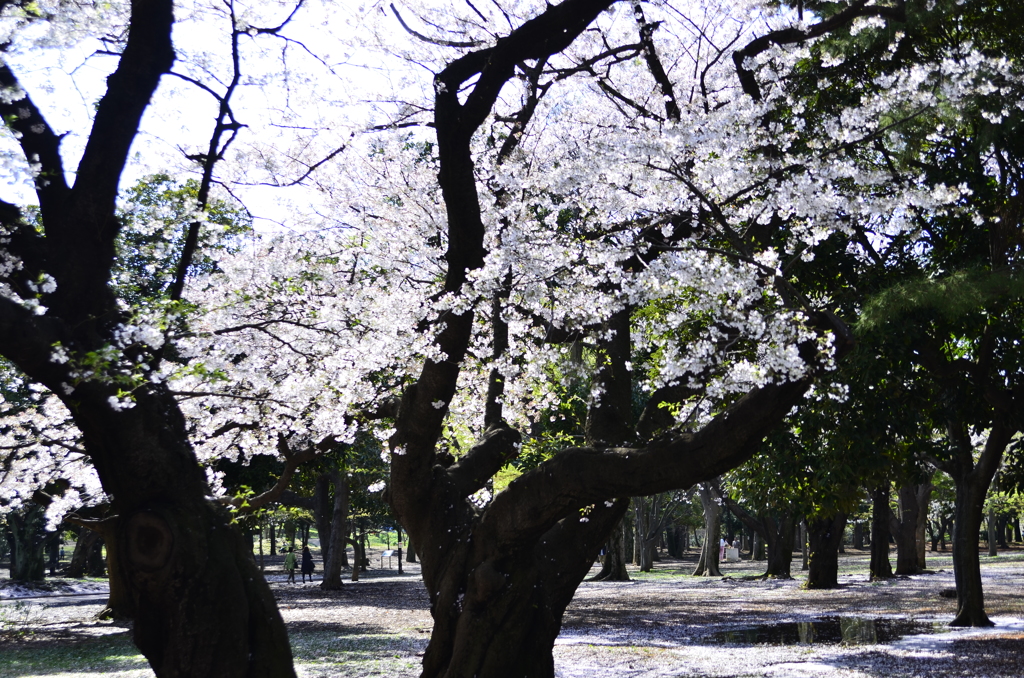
{"points": [[150, 541]]}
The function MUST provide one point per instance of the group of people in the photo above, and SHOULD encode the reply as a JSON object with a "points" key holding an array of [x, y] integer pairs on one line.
{"points": [[723, 544], [291, 563]]}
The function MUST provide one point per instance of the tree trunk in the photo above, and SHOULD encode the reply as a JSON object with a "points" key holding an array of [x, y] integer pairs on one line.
{"points": [[336, 549], [904, 528], [824, 535], [506, 621], [779, 543], [120, 604], [614, 566], [28, 557], [991, 534], [858, 535], [771, 533], [970, 497], [637, 529], [707, 566], [804, 552], [96, 564], [53, 552], [410, 556], [880, 567], [83, 546], [322, 513], [202, 607], [500, 578], [971, 478], [924, 498]]}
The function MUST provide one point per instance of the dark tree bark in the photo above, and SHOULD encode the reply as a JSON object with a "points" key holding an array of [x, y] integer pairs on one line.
{"points": [[53, 552], [83, 545], [120, 604], [96, 563], [336, 550], [924, 498], [909, 526], [971, 480], [823, 537], [778, 536], [28, 555], [322, 511], [805, 546], [880, 567], [991, 533], [674, 541], [614, 566], [858, 535], [202, 607]]}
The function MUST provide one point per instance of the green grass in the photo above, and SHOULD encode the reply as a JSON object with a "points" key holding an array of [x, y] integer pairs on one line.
{"points": [[111, 656], [349, 653], [317, 653]]}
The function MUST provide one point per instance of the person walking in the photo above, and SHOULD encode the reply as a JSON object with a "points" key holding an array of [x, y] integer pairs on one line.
{"points": [[307, 564], [289, 564]]}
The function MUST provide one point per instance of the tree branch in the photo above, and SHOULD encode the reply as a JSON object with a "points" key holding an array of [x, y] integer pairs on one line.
{"points": [[787, 36], [498, 446]]}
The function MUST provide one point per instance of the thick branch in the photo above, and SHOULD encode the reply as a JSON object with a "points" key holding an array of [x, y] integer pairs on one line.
{"points": [[39, 143], [292, 460], [498, 446], [147, 55], [424, 405], [654, 62], [582, 476]]}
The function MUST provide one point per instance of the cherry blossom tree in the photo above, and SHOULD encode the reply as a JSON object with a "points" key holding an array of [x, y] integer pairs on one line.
{"points": [[645, 183], [201, 606]]}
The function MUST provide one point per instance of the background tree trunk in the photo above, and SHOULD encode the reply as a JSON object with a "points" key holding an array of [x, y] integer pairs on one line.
{"points": [[804, 547], [904, 528], [880, 567], [28, 557], [924, 498], [779, 543], [120, 604], [614, 566], [333, 564], [707, 566], [824, 535], [83, 546], [970, 596]]}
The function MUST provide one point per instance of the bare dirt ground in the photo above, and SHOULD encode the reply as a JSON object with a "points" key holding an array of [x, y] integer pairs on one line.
{"points": [[664, 623]]}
